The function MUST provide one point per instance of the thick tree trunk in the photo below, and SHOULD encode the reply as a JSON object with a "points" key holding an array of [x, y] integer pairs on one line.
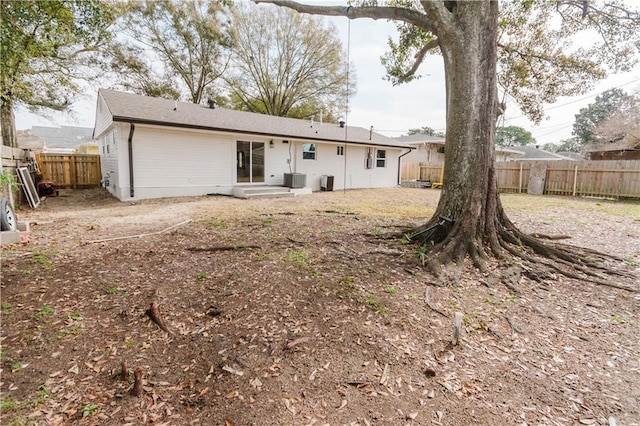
{"points": [[470, 195], [8, 124]]}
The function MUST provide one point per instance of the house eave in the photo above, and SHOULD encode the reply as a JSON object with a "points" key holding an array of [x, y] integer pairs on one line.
{"points": [[133, 120]]}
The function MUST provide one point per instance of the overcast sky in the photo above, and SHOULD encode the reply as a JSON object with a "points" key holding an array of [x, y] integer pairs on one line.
{"points": [[392, 110]]}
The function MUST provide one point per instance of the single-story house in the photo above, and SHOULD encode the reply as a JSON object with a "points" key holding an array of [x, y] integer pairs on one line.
{"points": [[430, 149], [532, 153], [153, 147]]}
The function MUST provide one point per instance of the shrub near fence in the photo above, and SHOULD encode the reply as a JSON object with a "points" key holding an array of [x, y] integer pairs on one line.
{"points": [[610, 179], [71, 170]]}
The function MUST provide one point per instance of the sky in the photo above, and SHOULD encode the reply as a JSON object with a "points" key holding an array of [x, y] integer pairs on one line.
{"points": [[391, 110]]}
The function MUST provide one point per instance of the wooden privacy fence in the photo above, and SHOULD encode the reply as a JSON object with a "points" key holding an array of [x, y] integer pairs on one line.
{"points": [[610, 179], [70, 170]]}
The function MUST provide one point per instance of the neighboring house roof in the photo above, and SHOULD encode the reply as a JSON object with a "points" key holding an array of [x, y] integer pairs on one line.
{"points": [[137, 109], [535, 154], [571, 155], [627, 145], [63, 137], [418, 139]]}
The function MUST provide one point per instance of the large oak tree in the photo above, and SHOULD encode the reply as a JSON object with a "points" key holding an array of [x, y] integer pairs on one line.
{"points": [[537, 65], [47, 48]]}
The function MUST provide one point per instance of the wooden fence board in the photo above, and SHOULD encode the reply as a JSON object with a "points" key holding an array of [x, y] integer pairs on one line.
{"points": [[605, 178], [71, 170]]}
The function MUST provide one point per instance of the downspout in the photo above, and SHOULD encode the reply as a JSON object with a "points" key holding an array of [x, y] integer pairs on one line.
{"points": [[400, 166], [131, 189]]}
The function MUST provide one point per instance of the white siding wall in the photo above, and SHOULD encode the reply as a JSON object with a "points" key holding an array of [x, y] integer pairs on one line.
{"points": [[328, 162], [180, 162], [103, 118]]}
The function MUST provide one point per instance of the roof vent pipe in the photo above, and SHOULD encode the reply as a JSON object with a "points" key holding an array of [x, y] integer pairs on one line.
{"points": [[175, 105], [370, 132], [211, 103], [342, 123]]}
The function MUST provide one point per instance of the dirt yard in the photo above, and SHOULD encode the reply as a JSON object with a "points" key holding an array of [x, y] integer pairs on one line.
{"points": [[307, 311]]}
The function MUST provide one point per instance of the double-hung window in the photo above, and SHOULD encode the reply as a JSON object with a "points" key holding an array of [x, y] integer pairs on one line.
{"points": [[381, 158]]}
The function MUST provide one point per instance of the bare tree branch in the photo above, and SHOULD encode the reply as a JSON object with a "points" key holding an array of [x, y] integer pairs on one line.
{"points": [[373, 12], [419, 58]]}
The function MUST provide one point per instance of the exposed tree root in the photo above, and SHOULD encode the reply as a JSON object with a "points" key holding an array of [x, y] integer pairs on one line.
{"points": [[224, 248], [154, 313], [508, 244], [137, 385]]}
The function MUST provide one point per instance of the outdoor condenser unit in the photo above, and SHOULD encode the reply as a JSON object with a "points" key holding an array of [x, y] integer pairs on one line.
{"points": [[295, 180]]}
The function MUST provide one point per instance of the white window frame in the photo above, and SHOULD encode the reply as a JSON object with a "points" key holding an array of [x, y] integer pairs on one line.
{"points": [[382, 159], [310, 149]]}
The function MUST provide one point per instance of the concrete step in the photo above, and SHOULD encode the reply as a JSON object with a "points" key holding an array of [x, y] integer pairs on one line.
{"points": [[278, 194], [269, 190]]}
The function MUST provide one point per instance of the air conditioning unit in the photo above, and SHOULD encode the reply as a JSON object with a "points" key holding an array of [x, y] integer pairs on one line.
{"points": [[295, 180]]}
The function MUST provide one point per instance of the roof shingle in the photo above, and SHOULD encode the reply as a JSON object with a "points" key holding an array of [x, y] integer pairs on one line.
{"points": [[128, 107]]}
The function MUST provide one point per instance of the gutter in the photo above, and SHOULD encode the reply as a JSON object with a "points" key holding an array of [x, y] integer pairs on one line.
{"points": [[130, 144], [400, 165], [312, 139]]}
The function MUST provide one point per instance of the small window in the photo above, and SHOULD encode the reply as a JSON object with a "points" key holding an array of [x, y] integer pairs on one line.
{"points": [[309, 151], [381, 158], [341, 150]]}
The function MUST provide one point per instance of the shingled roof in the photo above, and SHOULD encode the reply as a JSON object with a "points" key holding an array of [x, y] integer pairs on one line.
{"points": [[137, 109]]}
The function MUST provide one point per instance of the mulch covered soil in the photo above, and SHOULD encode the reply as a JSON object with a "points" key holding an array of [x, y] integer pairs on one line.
{"points": [[307, 311]]}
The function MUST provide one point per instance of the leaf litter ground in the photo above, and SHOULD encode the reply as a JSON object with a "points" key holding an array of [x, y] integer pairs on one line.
{"points": [[307, 311]]}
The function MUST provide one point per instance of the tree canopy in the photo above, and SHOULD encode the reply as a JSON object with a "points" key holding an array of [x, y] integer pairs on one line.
{"points": [[171, 48], [513, 136], [287, 64], [606, 104], [47, 48], [425, 130]]}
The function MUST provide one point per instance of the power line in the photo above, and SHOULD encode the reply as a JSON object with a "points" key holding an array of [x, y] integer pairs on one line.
{"points": [[579, 99]]}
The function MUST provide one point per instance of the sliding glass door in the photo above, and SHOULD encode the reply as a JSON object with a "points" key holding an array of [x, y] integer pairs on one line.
{"points": [[250, 162]]}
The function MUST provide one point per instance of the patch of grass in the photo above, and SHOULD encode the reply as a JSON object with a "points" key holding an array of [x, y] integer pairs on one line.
{"points": [[260, 256], [617, 319], [129, 343], [267, 221], [25, 272], [377, 306], [349, 282], [75, 316], [17, 366], [90, 409], [299, 258], [202, 276], [5, 308], [7, 405], [112, 290], [43, 260], [423, 250], [216, 223], [410, 296], [71, 331], [44, 311], [390, 290]]}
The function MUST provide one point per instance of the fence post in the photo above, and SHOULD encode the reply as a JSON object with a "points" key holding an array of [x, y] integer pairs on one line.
{"points": [[520, 180], [74, 172], [575, 180]]}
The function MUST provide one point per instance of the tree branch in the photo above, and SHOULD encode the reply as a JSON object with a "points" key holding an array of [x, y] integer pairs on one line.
{"points": [[372, 12], [419, 58]]}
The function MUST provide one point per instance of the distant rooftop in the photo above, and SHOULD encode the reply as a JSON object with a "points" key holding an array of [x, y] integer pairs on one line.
{"points": [[64, 136]]}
